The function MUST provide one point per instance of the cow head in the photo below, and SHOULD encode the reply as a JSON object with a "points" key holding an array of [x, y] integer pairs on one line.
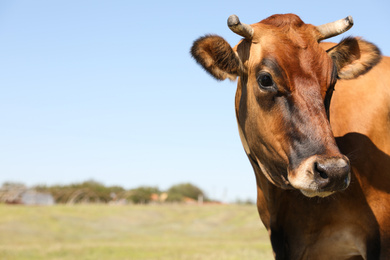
{"points": [[285, 81]]}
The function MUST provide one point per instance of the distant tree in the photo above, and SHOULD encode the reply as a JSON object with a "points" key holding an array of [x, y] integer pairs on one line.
{"points": [[13, 185], [244, 202], [10, 192], [95, 192], [142, 194], [88, 191], [178, 192]]}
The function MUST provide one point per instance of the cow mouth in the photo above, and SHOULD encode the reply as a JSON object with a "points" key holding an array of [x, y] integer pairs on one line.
{"points": [[310, 189], [321, 176], [311, 194]]}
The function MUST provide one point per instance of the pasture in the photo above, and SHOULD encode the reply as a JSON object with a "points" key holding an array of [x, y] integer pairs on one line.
{"points": [[132, 232]]}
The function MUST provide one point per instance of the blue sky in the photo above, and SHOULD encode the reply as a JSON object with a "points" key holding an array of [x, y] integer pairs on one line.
{"points": [[107, 90]]}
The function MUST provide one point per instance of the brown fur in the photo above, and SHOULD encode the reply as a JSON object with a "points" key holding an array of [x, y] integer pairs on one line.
{"points": [[216, 57], [286, 20], [287, 129], [354, 57]]}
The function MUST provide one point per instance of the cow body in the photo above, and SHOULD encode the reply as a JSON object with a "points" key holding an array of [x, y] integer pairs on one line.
{"points": [[315, 202], [354, 222], [361, 125]]}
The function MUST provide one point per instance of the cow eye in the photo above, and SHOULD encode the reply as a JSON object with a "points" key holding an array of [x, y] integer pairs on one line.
{"points": [[265, 81]]}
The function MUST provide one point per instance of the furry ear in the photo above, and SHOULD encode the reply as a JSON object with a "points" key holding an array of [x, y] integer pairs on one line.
{"points": [[354, 57], [216, 56]]}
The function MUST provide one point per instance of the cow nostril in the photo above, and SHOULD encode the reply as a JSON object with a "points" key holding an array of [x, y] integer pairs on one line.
{"points": [[346, 182], [320, 169], [323, 175], [331, 174]]}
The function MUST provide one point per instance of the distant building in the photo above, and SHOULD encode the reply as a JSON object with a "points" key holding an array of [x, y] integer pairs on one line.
{"points": [[32, 197]]}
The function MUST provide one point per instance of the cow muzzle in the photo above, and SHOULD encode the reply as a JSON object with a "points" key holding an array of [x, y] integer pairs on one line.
{"points": [[321, 176]]}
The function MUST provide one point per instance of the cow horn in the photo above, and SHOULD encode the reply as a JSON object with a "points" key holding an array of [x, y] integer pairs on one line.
{"points": [[245, 30], [334, 28]]}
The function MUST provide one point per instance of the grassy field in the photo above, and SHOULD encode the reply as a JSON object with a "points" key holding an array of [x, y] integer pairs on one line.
{"points": [[132, 232]]}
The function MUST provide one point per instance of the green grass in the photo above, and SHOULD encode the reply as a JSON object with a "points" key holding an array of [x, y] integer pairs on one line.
{"points": [[132, 232]]}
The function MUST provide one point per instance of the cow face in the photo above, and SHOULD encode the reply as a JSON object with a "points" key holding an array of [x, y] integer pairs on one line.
{"points": [[285, 83]]}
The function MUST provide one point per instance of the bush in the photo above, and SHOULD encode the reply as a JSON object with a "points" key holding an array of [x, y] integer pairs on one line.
{"points": [[178, 192], [244, 202], [142, 194]]}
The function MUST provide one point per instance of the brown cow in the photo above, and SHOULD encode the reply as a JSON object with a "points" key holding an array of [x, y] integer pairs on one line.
{"points": [[315, 202]]}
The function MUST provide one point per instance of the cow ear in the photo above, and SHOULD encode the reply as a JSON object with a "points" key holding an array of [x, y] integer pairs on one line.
{"points": [[216, 56], [354, 57]]}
